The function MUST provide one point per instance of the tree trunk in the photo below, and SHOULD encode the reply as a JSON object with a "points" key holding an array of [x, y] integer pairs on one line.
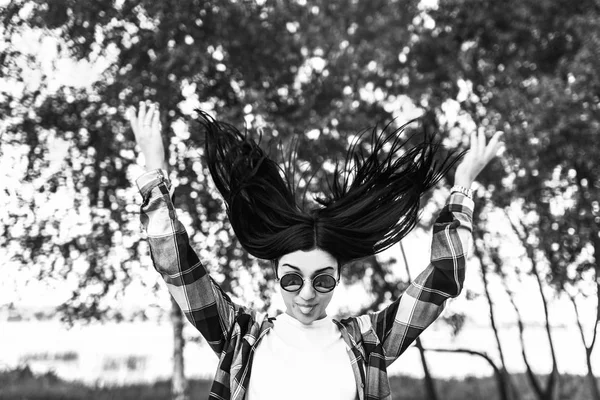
{"points": [[497, 371], [533, 380], [179, 385], [595, 391], [429, 382], [549, 392], [503, 377], [589, 349], [585, 196]]}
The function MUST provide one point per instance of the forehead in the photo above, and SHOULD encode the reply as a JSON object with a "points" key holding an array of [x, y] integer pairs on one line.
{"points": [[307, 261]]}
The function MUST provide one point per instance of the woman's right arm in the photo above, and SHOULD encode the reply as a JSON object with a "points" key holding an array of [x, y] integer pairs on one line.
{"points": [[202, 301]]}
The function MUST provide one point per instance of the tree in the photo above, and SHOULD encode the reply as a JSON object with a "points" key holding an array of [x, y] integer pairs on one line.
{"points": [[531, 69], [318, 78], [505, 383], [318, 73]]}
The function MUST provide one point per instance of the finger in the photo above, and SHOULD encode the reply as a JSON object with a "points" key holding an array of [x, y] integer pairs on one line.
{"points": [[466, 157], [141, 112], [130, 114], [156, 121], [149, 115], [494, 145], [474, 142], [496, 138], [481, 143], [501, 147], [132, 119]]}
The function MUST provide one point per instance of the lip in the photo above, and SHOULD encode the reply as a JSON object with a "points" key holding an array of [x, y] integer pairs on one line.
{"points": [[305, 309]]}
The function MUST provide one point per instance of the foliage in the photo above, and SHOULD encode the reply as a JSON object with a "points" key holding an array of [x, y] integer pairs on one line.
{"points": [[21, 383], [308, 72], [532, 70], [317, 72]]}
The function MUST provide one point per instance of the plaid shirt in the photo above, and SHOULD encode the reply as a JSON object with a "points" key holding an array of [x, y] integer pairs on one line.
{"points": [[374, 341]]}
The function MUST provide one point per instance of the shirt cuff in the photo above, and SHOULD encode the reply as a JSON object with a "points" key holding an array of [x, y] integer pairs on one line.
{"points": [[459, 201], [149, 180]]}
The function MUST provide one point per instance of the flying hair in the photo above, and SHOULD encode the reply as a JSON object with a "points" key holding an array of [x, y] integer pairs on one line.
{"points": [[373, 201]]}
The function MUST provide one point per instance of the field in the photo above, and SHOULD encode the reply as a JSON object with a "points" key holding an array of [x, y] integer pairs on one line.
{"points": [[22, 384], [123, 354]]}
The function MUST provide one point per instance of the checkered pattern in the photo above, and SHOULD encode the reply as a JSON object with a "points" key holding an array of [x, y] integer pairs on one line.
{"points": [[233, 332]]}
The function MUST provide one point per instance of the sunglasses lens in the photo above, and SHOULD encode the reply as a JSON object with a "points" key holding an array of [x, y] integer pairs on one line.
{"points": [[291, 282], [324, 283]]}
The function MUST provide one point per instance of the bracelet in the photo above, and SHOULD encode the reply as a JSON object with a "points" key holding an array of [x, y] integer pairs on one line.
{"points": [[462, 190]]}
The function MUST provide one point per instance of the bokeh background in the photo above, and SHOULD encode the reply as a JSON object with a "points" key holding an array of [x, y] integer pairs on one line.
{"points": [[84, 315]]}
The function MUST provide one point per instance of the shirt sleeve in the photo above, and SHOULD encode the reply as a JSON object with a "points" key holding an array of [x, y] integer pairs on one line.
{"points": [[202, 301], [398, 325]]}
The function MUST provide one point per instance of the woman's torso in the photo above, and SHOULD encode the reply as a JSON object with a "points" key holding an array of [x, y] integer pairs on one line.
{"points": [[296, 361]]}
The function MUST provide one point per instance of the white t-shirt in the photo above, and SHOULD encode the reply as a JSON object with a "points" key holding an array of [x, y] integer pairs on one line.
{"points": [[297, 361]]}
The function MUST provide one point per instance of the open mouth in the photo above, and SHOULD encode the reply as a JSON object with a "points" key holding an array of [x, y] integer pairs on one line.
{"points": [[305, 309]]}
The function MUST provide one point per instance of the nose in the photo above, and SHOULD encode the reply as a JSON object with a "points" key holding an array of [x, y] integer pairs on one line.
{"points": [[307, 292]]}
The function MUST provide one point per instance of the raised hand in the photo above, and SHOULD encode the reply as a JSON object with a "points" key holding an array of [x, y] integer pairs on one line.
{"points": [[147, 130], [478, 156]]}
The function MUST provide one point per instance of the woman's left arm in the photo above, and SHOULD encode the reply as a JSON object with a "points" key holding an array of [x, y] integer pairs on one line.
{"points": [[402, 322]]}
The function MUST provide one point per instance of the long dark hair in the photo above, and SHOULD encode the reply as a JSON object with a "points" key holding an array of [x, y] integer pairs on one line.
{"points": [[371, 205]]}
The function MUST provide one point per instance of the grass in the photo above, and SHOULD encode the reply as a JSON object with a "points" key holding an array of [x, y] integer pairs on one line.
{"points": [[22, 384]]}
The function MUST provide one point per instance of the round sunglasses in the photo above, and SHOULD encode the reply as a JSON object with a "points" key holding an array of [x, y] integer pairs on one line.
{"points": [[293, 282]]}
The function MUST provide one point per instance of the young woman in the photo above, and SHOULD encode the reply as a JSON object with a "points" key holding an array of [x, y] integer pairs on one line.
{"points": [[303, 353]]}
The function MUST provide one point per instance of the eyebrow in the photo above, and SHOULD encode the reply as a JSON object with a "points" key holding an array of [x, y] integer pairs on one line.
{"points": [[298, 269]]}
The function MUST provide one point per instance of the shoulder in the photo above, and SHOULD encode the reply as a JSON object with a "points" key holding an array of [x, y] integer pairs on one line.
{"points": [[254, 322], [357, 326]]}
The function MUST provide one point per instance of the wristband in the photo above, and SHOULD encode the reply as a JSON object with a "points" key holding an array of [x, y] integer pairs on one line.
{"points": [[462, 190]]}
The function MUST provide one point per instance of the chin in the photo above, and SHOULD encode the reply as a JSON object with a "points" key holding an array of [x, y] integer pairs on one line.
{"points": [[305, 319]]}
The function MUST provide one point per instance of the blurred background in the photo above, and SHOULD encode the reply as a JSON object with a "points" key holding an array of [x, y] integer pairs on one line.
{"points": [[83, 314]]}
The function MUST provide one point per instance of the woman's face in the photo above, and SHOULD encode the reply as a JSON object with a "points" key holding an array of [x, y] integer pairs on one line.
{"points": [[307, 305]]}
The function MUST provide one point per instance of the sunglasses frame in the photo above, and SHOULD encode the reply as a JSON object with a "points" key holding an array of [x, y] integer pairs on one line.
{"points": [[312, 280]]}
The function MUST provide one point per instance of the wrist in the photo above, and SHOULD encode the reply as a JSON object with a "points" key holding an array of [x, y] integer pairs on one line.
{"points": [[156, 165], [463, 190], [150, 179], [463, 181]]}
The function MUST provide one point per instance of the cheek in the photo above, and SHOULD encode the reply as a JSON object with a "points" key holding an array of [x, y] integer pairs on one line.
{"points": [[324, 299], [288, 298]]}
